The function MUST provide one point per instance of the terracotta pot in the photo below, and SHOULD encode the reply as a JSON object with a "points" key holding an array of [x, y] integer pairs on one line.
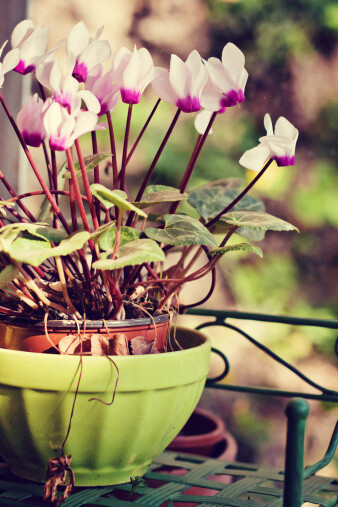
{"points": [[204, 434], [24, 336]]}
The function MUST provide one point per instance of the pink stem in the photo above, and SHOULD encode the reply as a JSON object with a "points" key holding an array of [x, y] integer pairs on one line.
{"points": [[96, 173], [122, 174], [113, 148], [86, 185], [130, 154], [13, 194], [192, 162]]}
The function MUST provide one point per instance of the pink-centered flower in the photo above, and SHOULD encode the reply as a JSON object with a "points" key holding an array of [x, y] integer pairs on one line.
{"points": [[63, 128], [65, 88], [133, 72], [29, 121], [102, 86], [31, 42], [227, 80], [183, 84], [9, 62], [279, 145], [85, 52]]}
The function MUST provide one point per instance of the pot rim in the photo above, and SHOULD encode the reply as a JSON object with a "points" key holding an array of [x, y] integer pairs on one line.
{"points": [[89, 324]]}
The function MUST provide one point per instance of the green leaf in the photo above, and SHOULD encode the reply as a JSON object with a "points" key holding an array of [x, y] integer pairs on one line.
{"points": [[246, 247], [156, 194], [30, 250], [8, 274], [133, 253], [107, 239], [222, 227], [209, 201], [257, 220], [34, 251], [39, 229], [90, 163], [100, 230], [182, 230], [111, 198], [45, 210]]}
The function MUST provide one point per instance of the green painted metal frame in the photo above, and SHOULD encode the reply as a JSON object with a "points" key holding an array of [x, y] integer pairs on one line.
{"points": [[254, 486]]}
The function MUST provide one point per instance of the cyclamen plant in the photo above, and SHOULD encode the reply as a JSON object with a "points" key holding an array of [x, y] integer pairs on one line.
{"points": [[102, 256]]}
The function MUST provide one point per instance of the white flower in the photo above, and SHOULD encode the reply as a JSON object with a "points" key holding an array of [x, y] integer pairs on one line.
{"points": [[133, 72], [63, 128], [31, 43], [85, 52], [9, 62], [227, 80], [202, 121], [182, 85], [102, 86], [29, 121], [65, 88], [279, 145]]}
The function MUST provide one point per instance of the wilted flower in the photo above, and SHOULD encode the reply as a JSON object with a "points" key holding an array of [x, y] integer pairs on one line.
{"points": [[85, 52], [182, 85], [65, 88], [9, 62], [29, 121], [227, 81], [102, 86], [279, 145], [31, 42], [133, 72], [63, 128]]}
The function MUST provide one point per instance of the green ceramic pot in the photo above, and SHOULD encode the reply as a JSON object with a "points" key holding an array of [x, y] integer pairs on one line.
{"points": [[156, 395]]}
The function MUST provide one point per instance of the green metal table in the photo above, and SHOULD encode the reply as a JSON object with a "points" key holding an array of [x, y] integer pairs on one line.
{"points": [[185, 480]]}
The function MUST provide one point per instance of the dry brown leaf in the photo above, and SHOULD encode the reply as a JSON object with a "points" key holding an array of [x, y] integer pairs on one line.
{"points": [[56, 476], [118, 345], [99, 345], [141, 345], [68, 344]]}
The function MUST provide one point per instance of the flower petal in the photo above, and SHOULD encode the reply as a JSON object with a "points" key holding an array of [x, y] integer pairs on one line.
{"points": [[255, 158]]}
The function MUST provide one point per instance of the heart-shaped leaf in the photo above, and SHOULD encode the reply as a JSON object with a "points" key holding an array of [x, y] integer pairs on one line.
{"points": [[246, 247], [257, 220], [221, 227], [156, 194], [209, 201], [107, 239], [182, 230], [133, 253], [30, 250], [8, 274], [90, 162], [111, 198]]}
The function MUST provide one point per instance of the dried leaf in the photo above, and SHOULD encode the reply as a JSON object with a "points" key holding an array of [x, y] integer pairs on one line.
{"points": [[141, 345], [118, 345], [95, 345], [68, 344], [99, 345], [56, 476]]}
